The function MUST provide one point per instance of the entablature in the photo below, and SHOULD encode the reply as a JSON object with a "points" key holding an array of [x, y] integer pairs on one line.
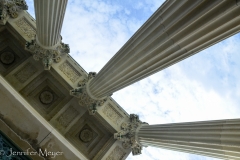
{"points": [[47, 92]]}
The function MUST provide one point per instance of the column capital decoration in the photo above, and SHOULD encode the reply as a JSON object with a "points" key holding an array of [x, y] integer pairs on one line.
{"points": [[128, 135], [10, 8], [48, 55], [86, 100]]}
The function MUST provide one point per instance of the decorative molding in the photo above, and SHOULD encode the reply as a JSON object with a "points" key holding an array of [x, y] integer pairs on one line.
{"points": [[70, 71], [25, 72], [128, 134], [84, 99], [112, 114], [10, 8], [7, 58], [66, 117], [46, 97], [48, 56], [117, 154], [26, 28], [86, 135]]}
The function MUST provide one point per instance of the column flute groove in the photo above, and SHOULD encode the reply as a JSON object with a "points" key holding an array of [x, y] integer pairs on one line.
{"points": [[49, 19], [177, 30], [218, 139], [48, 45]]}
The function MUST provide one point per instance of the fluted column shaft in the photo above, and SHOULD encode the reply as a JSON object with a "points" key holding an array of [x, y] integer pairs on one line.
{"points": [[49, 20], [220, 139], [177, 30]]}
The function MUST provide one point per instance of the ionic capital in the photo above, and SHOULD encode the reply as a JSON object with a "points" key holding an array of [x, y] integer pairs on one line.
{"points": [[11, 8], [128, 134]]}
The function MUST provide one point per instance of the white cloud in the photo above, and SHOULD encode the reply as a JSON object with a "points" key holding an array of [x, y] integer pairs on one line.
{"points": [[202, 87]]}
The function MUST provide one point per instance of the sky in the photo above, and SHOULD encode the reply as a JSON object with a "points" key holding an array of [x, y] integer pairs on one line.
{"points": [[204, 86]]}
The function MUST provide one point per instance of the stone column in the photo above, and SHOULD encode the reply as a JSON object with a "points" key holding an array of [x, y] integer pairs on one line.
{"points": [[177, 30], [219, 138], [49, 19]]}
